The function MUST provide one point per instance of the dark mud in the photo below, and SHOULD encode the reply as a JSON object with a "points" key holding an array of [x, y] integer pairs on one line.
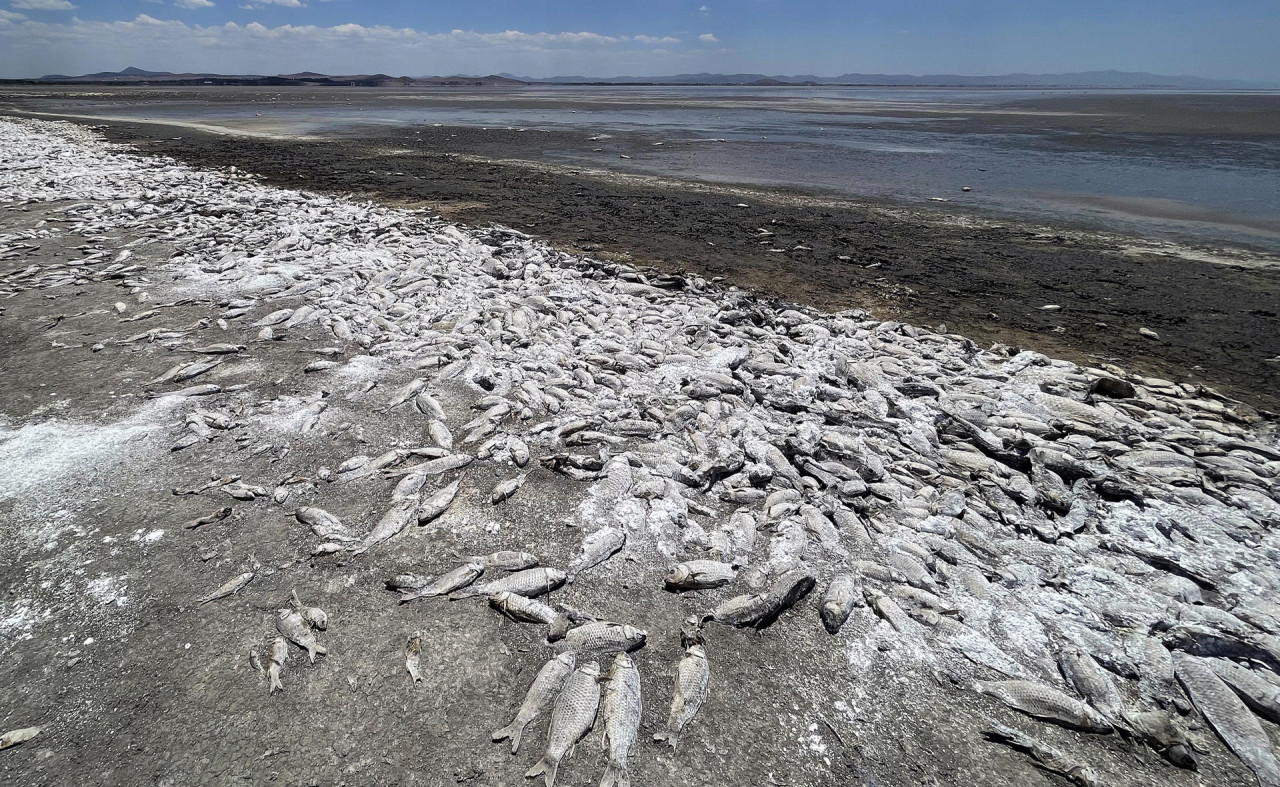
{"points": [[1218, 324]]}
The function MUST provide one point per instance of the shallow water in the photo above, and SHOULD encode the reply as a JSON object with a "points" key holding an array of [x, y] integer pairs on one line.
{"points": [[1143, 162]]}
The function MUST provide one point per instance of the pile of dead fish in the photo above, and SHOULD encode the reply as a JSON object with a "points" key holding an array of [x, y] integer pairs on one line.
{"points": [[297, 624], [1089, 547]]}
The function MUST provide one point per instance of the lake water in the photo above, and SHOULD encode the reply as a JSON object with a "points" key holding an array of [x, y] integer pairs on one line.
{"points": [[1203, 168]]}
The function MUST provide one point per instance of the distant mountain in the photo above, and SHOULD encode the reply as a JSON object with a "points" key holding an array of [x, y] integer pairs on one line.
{"points": [[135, 76], [1102, 79], [1112, 79], [129, 72]]}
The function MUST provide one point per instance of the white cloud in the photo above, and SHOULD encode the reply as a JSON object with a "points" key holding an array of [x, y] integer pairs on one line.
{"points": [[193, 3], [655, 39], [704, 10], [708, 38], [285, 3], [30, 48], [10, 16], [44, 5]]}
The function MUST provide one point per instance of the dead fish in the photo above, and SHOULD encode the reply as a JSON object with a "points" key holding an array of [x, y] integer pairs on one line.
{"points": [[1157, 730], [571, 718], [208, 389], [760, 610], [440, 435], [531, 583], [14, 737], [597, 548], [320, 366], [407, 582], [843, 594], [323, 524], [405, 393], [692, 678], [233, 585], [1044, 702], [508, 560], [193, 370], [409, 488], [1091, 681], [412, 651], [274, 318], [445, 464], [568, 619], [1229, 717], [700, 575], [1048, 757], [438, 503], [395, 520], [277, 656], [314, 616], [821, 528], [217, 349], [519, 451], [521, 609], [460, 577], [209, 519], [540, 696], [293, 626], [506, 489], [1262, 696], [597, 639], [621, 707], [428, 406]]}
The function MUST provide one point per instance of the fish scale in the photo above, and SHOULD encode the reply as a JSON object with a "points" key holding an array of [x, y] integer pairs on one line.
{"points": [[1229, 717], [531, 582], [693, 675], [541, 695], [596, 639], [1045, 702], [571, 718], [621, 707]]}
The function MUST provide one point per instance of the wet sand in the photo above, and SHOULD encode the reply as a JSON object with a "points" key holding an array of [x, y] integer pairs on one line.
{"points": [[1218, 322]]}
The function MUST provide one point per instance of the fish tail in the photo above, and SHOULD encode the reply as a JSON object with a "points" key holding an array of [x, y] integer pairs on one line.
{"points": [[276, 685], [545, 768], [615, 775], [514, 731]]}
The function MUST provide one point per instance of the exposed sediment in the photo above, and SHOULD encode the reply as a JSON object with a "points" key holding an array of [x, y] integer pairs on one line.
{"points": [[991, 535]]}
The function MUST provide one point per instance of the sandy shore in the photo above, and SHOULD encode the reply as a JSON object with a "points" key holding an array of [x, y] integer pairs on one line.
{"points": [[176, 340]]}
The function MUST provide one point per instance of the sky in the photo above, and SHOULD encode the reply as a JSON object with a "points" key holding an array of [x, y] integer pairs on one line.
{"points": [[540, 38]]}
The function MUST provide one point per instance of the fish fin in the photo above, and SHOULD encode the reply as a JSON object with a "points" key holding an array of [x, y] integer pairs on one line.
{"points": [[615, 775], [514, 731], [501, 734], [546, 769]]}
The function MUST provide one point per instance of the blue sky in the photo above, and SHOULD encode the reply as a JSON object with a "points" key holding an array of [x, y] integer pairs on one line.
{"points": [[1226, 38]]}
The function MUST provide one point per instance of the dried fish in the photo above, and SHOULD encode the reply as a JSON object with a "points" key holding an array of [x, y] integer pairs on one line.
{"points": [[540, 696]]}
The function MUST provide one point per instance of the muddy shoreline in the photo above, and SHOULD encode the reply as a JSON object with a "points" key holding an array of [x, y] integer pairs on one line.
{"points": [[989, 280]]}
